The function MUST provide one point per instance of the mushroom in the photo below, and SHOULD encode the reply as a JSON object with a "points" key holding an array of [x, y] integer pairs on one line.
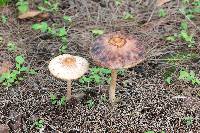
{"points": [[68, 67], [116, 50]]}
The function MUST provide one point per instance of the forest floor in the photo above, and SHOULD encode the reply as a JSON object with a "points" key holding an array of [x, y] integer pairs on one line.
{"points": [[160, 95]]}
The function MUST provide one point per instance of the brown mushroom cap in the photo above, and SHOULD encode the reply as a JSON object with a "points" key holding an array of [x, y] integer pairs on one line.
{"points": [[117, 50]]}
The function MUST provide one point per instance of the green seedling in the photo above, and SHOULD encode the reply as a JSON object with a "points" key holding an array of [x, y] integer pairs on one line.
{"points": [[162, 13], [4, 19], [188, 120], [11, 47], [127, 16], [54, 100], [62, 33], [43, 27], [149, 132], [189, 76], [22, 6], [13, 77], [98, 75], [39, 123], [67, 18], [171, 38], [184, 35], [184, 26], [97, 32], [3, 2], [169, 74], [103, 98], [90, 103], [48, 6], [118, 2]]}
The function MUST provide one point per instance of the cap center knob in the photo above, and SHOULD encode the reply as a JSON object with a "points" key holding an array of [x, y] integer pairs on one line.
{"points": [[69, 61], [117, 41]]}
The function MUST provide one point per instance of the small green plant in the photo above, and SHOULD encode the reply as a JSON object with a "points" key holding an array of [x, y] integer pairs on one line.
{"points": [[11, 47], [3, 2], [118, 2], [162, 13], [98, 75], [59, 32], [4, 19], [184, 35], [127, 16], [67, 18], [97, 32], [90, 103], [189, 76], [171, 38], [103, 98], [188, 120], [39, 123], [13, 77], [54, 100], [22, 6], [149, 132], [49, 6], [169, 74]]}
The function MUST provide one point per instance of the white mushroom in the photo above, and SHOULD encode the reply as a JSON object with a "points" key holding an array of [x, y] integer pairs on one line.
{"points": [[68, 67]]}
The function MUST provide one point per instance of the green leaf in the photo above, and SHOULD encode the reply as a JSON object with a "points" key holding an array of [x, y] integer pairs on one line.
{"points": [[97, 32], [23, 69], [184, 25], [4, 19], [127, 16], [168, 80], [32, 72], [62, 32], [171, 38], [118, 2], [162, 13], [67, 18], [19, 59], [22, 6]]}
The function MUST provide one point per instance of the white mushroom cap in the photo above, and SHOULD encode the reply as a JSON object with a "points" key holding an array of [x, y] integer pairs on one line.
{"points": [[68, 67]]}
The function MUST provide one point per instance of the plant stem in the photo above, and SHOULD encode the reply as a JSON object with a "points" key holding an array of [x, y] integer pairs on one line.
{"points": [[69, 90], [113, 86]]}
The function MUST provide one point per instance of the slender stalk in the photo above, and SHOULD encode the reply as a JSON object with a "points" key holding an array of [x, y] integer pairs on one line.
{"points": [[112, 86], [69, 90]]}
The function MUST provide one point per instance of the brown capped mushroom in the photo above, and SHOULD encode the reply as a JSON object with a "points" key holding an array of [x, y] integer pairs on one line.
{"points": [[116, 50], [68, 67]]}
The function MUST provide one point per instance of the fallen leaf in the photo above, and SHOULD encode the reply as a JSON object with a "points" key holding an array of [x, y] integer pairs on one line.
{"points": [[29, 14], [161, 2], [5, 66]]}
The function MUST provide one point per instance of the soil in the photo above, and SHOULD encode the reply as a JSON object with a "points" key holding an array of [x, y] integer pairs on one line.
{"points": [[145, 101]]}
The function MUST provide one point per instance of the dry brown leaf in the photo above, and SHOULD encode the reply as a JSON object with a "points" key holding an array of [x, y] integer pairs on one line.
{"points": [[29, 14], [5, 66], [161, 2]]}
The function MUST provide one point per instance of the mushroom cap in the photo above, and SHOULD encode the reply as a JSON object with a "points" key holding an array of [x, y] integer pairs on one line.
{"points": [[117, 50], [68, 67]]}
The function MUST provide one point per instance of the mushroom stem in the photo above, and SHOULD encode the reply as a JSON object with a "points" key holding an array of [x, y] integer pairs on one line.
{"points": [[69, 90], [112, 85]]}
